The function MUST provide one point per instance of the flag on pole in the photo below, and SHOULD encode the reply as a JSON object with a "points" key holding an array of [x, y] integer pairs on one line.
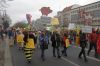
{"points": [[28, 16]]}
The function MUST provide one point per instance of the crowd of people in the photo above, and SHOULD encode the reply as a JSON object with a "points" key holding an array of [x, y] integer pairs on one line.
{"points": [[29, 40]]}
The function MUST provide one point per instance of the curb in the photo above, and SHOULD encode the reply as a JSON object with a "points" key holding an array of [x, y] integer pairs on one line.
{"points": [[7, 55]]}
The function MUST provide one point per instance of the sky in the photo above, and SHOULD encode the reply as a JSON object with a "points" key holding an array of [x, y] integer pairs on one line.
{"points": [[18, 9]]}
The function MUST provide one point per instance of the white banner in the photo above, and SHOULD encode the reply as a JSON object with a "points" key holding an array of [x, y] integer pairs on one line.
{"points": [[71, 26], [87, 29]]}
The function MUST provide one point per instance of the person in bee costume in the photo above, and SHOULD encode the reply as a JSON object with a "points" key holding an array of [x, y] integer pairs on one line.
{"points": [[29, 40], [20, 40]]}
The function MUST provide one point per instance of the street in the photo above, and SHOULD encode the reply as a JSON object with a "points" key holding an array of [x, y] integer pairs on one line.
{"points": [[18, 58], [54, 25]]}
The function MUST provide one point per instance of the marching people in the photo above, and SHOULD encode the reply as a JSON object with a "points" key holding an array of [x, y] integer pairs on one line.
{"points": [[43, 44], [29, 40], [93, 42], [77, 40], [98, 42], [82, 45], [11, 37], [1, 34], [20, 40], [65, 44], [55, 39], [15, 36]]}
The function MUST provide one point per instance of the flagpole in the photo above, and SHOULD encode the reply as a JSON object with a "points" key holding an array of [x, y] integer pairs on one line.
{"points": [[28, 16]]}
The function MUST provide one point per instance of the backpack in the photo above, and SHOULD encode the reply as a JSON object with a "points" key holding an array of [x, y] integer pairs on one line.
{"points": [[44, 44]]}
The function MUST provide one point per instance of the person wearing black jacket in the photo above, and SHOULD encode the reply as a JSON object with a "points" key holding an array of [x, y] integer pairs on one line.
{"points": [[83, 45], [55, 39]]}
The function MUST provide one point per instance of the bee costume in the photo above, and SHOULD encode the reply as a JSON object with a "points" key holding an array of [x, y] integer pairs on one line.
{"points": [[29, 45]]}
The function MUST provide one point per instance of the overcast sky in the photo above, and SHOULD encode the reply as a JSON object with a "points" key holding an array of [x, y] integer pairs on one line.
{"points": [[18, 8]]}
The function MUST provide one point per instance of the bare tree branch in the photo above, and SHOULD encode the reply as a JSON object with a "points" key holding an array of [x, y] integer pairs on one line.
{"points": [[3, 3]]}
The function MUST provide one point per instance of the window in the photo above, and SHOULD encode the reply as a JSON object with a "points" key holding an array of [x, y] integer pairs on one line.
{"points": [[96, 13], [95, 6], [75, 17], [98, 5], [87, 8]]}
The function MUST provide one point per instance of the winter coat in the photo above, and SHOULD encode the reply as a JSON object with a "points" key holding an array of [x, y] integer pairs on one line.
{"points": [[93, 37], [43, 41], [83, 40], [55, 39]]}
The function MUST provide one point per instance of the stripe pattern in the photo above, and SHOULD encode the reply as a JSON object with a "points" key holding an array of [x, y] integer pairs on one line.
{"points": [[28, 53]]}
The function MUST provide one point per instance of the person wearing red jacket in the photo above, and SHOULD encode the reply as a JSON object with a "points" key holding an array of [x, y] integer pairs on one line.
{"points": [[64, 45], [98, 43], [93, 40]]}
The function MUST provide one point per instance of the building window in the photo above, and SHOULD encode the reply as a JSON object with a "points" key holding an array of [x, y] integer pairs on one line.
{"points": [[87, 8], [96, 13], [95, 6], [98, 5], [75, 17]]}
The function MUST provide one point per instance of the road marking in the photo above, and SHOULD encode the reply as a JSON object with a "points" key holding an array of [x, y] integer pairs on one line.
{"points": [[80, 48], [69, 61], [89, 56], [93, 58]]}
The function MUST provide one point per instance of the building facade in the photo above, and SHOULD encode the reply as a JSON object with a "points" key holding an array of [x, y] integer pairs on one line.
{"points": [[42, 22], [73, 15]]}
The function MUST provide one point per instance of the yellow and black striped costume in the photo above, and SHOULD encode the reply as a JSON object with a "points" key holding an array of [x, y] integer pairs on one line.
{"points": [[20, 40], [29, 47]]}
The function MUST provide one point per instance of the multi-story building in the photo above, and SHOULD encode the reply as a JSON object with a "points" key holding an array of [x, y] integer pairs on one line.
{"points": [[42, 22], [65, 15], [72, 15], [60, 18]]}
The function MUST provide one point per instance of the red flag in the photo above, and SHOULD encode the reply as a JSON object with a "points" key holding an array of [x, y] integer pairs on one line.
{"points": [[45, 10], [28, 16]]}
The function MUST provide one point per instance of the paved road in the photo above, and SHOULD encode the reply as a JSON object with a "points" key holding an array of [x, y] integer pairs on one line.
{"points": [[72, 59], [2, 52]]}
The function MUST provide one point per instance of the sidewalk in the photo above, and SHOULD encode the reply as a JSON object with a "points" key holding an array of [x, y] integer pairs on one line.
{"points": [[1, 54], [5, 55], [8, 58]]}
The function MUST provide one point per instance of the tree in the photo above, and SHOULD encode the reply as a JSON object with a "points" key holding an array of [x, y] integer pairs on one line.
{"points": [[20, 25], [5, 24], [3, 3], [6, 21]]}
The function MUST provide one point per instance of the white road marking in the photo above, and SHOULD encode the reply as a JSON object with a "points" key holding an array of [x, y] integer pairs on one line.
{"points": [[93, 58], [69, 61], [80, 47], [89, 56]]}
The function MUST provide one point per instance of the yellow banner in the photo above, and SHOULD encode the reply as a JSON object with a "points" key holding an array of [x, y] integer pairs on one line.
{"points": [[54, 21]]}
